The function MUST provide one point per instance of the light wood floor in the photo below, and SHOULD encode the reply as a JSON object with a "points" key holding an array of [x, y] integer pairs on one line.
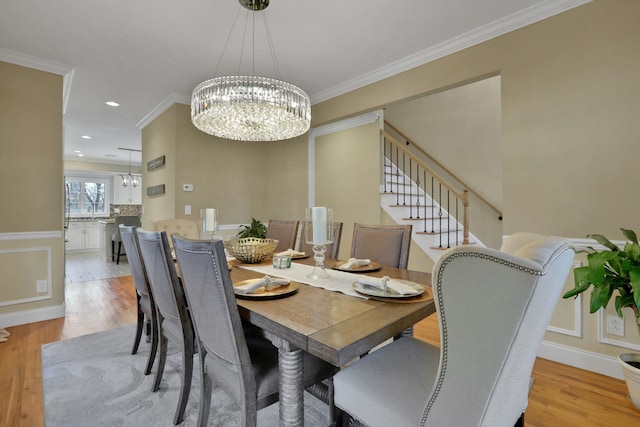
{"points": [[561, 396]]}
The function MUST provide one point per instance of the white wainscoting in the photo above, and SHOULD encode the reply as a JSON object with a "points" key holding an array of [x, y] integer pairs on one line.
{"points": [[39, 314]]}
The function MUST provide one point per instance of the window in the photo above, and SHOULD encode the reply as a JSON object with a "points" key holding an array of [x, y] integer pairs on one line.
{"points": [[87, 196]]}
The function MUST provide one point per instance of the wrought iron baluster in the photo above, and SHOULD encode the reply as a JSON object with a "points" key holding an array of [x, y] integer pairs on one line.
{"points": [[448, 220], [433, 203], [404, 191], [386, 161], [417, 191], [440, 211], [457, 222], [397, 178], [410, 190]]}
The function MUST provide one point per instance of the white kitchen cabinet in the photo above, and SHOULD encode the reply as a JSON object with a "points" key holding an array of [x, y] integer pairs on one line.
{"points": [[127, 195], [93, 235], [75, 236], [84, 236]]}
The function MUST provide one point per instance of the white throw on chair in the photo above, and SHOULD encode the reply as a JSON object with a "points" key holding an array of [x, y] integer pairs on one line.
{"points": [[493, 308]]}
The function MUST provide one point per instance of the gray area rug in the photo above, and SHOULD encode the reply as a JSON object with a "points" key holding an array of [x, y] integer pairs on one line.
{"points": [[94, 381]]}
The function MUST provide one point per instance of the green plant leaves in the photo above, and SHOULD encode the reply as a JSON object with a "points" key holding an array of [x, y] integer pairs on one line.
{"points": [[603, 241], [631, 235], [608, 271], [255, 229]]}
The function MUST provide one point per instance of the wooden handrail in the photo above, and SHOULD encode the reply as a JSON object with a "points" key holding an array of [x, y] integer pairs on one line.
{"points": [[447, 170]]}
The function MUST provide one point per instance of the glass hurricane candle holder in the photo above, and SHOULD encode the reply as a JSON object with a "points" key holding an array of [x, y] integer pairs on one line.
{"points": [[319, 233], [209, 223]]}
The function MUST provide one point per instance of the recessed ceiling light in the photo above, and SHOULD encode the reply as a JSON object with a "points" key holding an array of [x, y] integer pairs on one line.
{"points": [[112, 104], [85, 137], [77, 151], [80, 155]]}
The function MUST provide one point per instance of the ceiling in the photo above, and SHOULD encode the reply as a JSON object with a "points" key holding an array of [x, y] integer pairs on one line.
{"points": [[148, 54]]}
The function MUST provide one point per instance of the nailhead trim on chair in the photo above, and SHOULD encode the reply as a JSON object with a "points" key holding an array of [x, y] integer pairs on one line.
{"points": [[443, 369]]}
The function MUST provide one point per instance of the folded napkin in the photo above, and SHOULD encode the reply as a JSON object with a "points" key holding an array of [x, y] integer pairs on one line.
{"points": [[386, 282], [291, 253], [355, 263], [266, 282]]}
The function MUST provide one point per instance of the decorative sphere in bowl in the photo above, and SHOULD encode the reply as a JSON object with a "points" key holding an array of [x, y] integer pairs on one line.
{"points": [[250, 250]]}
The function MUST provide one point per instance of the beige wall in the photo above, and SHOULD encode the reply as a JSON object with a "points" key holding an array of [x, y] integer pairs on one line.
{"points": [[159, 139], [570, 99], [31, 236], [76, 165], [345, 179], [241, 179]]}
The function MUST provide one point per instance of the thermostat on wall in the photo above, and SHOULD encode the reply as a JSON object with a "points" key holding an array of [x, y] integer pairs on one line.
{"points": [[187, 187]]}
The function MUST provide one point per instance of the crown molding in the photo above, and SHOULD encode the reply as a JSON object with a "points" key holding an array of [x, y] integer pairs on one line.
{"points": [[171, 99], [29, 61], [486, 32], [345, 124]]}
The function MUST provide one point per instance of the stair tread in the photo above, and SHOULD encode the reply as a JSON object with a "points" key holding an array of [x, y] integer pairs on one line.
{"points": [[428, 218], [446, 231]]}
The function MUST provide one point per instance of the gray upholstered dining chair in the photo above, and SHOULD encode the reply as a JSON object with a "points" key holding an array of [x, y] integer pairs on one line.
{"points": [[333, 249], [493, 308], [283, 231], [388, 245], [146, 306], [174, 323], [233, 355], [127, 220]]}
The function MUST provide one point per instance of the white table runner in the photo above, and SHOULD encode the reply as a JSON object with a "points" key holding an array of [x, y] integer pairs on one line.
{"points": [[339, 281]]}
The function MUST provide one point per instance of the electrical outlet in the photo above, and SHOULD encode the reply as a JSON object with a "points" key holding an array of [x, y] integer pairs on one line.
{"points": [[41, 286], [615, 325]]}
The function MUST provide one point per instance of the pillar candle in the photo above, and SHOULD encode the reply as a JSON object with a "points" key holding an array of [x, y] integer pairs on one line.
{"points": [[210, 220], [319, 218]]}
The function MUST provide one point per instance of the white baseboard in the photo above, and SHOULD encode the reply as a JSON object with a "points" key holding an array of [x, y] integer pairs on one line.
{"points": [[583, 359], [30, 316]]}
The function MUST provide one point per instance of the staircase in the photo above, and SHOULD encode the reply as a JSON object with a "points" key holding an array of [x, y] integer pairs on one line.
{"points": [[414, 193]]}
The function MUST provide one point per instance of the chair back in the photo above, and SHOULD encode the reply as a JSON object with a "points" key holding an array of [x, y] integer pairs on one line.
{"points": [[166, 289], [493, 307], [388, 245], [184, 227], [283, 231], [216, 320], [126, 220], [139, 273], [333, 249]]}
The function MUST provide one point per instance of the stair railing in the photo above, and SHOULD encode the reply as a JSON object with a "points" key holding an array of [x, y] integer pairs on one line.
{"points": [[424, 181], [467, 187]]}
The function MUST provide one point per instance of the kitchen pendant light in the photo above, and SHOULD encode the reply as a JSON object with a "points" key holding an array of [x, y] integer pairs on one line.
{"points": [[129, 179], [249, 107]]}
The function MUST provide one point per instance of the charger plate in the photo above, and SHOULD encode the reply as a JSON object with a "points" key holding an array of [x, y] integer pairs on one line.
{"points": [[263, 293], [372, 266], [388, 293]]}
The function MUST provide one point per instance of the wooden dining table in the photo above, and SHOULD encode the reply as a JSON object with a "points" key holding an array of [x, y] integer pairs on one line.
{"points": [[335, 327]]}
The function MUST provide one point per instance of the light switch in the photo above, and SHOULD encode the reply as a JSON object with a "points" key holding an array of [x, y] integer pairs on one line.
{"points": [[187, 209], [187, 187]]}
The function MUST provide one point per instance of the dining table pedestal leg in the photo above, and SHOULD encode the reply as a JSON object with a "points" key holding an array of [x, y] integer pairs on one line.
{"points": [[290, 362]]}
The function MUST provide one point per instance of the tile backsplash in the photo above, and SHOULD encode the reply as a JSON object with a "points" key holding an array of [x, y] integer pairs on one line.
{"points": [[124, 210]]}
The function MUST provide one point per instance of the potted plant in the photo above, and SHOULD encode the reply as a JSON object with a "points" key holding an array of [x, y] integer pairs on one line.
{"points": [[614, 270], [251, 245], [256, 229]]}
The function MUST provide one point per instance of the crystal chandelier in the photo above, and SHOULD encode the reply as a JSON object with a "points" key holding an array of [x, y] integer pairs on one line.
{"points": [[251, 108], [129, 179]]}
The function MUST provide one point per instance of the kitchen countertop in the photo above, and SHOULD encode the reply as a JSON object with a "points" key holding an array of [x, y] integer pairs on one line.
{"points": [[90, 219]]}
